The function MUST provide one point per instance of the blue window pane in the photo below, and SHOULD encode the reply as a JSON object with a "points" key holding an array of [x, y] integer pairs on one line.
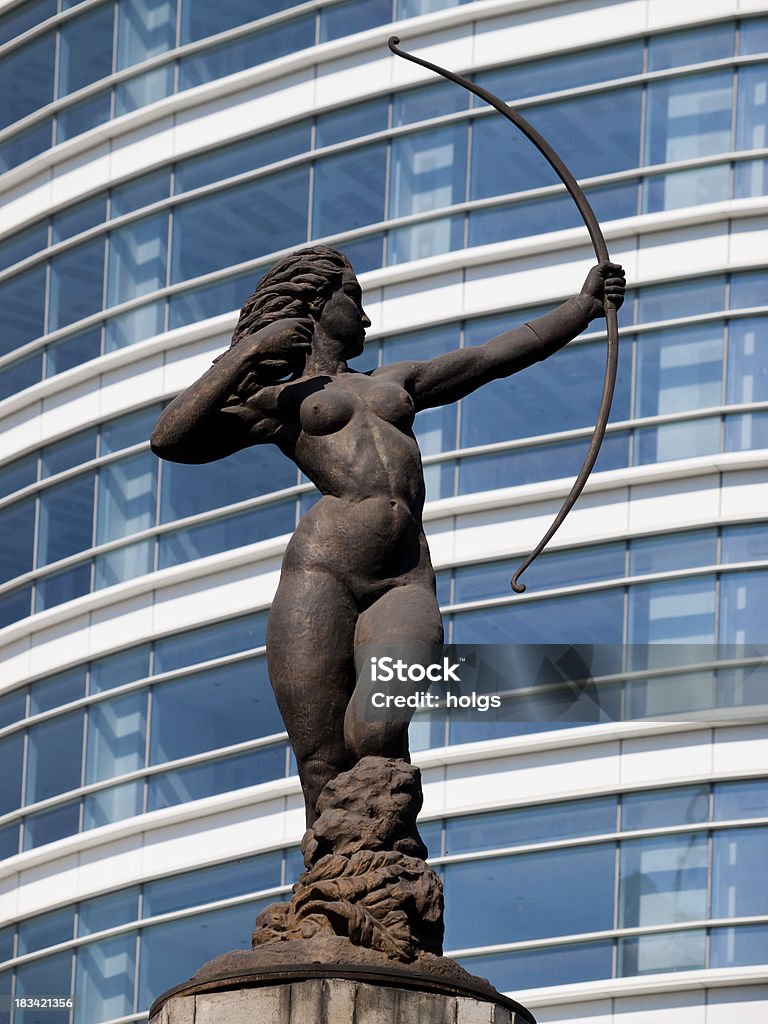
{"points": [[539, 896], [751, 107], [13, 707], [176, 949], [494, 152], [104, 978], [127, 496], [53, 692], [753, 36], [741, 621], [679, 369], [6, 944], [236, 878], [17, 527], [135, 325], [83, 116], [54, 756], [124, 667], [750, 178], [77, 281], [738, 859], [66, 519], [12, 762], [688, 117], [680, 806], [593, 134], [23, 299], [747, 361], [353, 121], [349, 190], [420, 241], [18, 246], [676, 551], [663, 880], [743, 433], [687, 188], [685, 440], [125, 563], [144, 89], [15, 606], [85, 49], [108, 911], [24, 16], [46, 930], [149, 188], [26, 79], [80, 217], [62, 586], [63, 455], [552, 569], [227, 705], [50, 826], [428, 170], [145, 28], [674, 49], [208, 642], [200, 19], [124, 431], [584, 618], [214, 777], [211, 232], [518, 220], [518, 826], [748, 799], [138, 258], [72, 351], [246, 52], [535, 78], [744, 544], [365, 254], [539, 462], [116, 737], [614, 201], [226, 534], [51, 974], [116, 803], [187, 490], [658, 954], [353, 16], [561, 965], [568, 387], [9, 847], [683, 298], [426, 102], [737, 947], [20, 375], [240, 157], [674, 611], [189, 307], [17, 474], [25, 145]]}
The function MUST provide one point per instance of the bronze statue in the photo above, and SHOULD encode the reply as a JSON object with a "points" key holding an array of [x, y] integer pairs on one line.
{"points": [[357, 570]]}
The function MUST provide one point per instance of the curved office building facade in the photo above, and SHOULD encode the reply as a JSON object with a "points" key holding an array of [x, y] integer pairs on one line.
{"points": [[157, 156]]}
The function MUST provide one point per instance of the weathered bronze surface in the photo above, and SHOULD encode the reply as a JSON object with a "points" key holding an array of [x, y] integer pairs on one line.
{"points": [[357, 570]]}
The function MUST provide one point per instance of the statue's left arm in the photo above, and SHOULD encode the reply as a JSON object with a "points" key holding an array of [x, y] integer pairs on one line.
{"points": [[450, 377]]}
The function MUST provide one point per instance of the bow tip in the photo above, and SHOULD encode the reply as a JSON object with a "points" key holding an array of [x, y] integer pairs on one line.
{"points": [[519, 588], [393, 42]]}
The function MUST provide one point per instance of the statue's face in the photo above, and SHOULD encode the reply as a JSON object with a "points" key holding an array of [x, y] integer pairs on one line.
{"points": [[343, 317]]}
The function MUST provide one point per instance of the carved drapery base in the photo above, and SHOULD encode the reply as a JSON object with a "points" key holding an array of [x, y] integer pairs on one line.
{"points": [[366, 879]]}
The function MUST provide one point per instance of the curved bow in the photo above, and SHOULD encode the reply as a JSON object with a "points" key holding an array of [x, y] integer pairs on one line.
{"points": [[601, 252]]}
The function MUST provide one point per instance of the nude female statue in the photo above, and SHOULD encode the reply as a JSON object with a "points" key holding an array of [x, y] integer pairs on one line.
{"points": [[357, 570]]}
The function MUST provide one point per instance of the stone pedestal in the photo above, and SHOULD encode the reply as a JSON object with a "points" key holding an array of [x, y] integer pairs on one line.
{"points": [[330, 1001]]}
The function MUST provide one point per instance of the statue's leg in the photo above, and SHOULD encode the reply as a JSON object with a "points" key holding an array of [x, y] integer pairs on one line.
{"points": [[311, 666], [407, 615]]}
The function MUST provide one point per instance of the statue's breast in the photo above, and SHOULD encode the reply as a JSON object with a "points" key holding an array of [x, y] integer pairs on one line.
{"points": [[392, 403], [326, 411]]}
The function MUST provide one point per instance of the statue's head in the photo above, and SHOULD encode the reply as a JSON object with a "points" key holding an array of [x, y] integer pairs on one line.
{"points": [[298, 286]]}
